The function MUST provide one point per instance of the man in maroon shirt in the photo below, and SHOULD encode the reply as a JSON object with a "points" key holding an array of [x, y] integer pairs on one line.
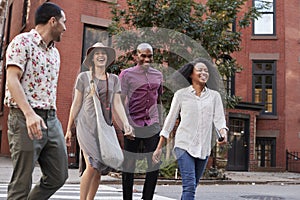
{"points": [[141, 90]]}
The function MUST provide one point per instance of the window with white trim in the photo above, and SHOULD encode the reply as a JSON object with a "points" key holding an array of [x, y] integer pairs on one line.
{"points": [[265, 24]]}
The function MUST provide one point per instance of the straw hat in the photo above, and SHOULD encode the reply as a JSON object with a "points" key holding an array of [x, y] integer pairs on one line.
{"points": [[111, 54]]}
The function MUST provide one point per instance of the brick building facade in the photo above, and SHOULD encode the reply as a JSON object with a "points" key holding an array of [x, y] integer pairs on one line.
{"points": [[262, 128]]}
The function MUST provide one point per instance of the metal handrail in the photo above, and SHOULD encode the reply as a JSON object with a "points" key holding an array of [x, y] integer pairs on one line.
{"points": [[291, 156]]}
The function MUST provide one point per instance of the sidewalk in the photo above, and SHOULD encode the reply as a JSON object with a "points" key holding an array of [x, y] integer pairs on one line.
{"points": [[233, 177]]}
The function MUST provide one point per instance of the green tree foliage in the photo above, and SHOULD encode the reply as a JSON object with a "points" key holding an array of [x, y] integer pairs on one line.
{"points": [[216, 24]]}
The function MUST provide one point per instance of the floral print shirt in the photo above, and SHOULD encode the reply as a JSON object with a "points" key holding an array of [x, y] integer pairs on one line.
{"points": [[40, 66]]}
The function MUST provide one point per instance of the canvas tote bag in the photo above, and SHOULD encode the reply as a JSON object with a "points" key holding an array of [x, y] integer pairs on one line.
{"points": [[110, 149]]}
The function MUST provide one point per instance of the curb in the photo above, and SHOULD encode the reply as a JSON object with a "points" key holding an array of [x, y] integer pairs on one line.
{"points": [[139, 181]]}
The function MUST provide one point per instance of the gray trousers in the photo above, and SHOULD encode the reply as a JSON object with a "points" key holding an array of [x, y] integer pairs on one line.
{"points": [[50, 152]]}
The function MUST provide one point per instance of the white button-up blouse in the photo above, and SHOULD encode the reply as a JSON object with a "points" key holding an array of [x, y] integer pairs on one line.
{"points": [[198, 114]]}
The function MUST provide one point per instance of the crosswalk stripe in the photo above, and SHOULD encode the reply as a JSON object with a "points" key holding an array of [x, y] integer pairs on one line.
{"points": [[71, 191]]}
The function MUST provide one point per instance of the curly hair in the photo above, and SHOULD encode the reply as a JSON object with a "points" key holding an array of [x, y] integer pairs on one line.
{"points": [[182, 77]]}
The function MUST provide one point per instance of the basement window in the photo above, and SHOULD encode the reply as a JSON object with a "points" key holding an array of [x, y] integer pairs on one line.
{"points": [[266, 151]]}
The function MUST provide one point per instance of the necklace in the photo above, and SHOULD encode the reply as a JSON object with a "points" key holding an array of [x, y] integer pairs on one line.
{"points": [[96, 82]]}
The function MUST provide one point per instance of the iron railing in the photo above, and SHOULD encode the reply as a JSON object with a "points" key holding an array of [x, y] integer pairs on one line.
{"points": [[292, 161]]}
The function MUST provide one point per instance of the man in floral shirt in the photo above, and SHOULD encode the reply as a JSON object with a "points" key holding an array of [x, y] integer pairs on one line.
{"points": [[34, 132]]}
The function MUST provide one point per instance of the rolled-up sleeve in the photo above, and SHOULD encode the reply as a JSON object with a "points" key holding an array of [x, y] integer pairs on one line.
{"points": [[219, 119], [123, 82], [171, 117]]}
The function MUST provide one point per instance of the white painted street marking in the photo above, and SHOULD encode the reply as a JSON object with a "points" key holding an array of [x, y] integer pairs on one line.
{"points": [[71, 191]]}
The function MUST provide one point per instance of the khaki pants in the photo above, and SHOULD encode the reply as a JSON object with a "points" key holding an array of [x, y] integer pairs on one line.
{"points": [[50, 152]]}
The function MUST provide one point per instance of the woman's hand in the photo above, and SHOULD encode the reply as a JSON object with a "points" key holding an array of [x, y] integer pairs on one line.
{"points": [[68, 138], [223, 133], [129, 132]]}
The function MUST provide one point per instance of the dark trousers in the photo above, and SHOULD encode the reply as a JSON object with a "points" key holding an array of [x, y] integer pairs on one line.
{"points": [[131, 149], [50, 152]]}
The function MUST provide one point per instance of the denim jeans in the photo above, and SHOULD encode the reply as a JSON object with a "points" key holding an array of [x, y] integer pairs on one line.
{"points": [[191, 170]]}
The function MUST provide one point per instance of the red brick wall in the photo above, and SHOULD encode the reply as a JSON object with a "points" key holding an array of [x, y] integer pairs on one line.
{"points": [[292, 81], [287, 121], [70, 48], [286, 44], [252, 135]]}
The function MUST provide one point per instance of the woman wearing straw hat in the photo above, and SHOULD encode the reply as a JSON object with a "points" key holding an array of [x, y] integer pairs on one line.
{"points": [[107, 89]]}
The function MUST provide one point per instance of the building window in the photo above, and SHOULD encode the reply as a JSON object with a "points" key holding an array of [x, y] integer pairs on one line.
{"points": [[237, 127], [91, 35], [229, 85], [224, 63], [264, 82], [266, 151], [3, 49], [25, 11], [265, 24]]}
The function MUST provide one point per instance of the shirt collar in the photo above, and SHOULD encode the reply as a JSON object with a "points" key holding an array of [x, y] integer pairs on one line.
{"points": [[37, 38], [141, 69], [192, 90]]}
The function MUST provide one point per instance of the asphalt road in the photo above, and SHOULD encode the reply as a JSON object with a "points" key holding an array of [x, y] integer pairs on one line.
{"points": [[173, 192], [232, 192]]}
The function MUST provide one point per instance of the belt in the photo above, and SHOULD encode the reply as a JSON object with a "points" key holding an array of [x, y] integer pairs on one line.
{"points": [[45, 113]]}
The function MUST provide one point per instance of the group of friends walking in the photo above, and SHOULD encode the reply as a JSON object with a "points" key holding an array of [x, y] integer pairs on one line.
{"points": [[35, 133]]}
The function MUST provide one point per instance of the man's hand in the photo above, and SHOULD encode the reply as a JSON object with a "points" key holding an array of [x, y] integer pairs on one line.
{"points": [[34, 126], [34, 122], [156, 156]]}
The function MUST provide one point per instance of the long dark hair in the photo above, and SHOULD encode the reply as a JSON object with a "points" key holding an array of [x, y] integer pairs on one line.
{"points": [[182, 77], [92, 68]]}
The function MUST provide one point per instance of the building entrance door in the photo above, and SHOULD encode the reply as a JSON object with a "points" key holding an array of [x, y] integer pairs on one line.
{"points": [[238, 137]]}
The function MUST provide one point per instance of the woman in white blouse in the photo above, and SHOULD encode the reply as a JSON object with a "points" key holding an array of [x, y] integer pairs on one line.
{"points": [[200, 108]]}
